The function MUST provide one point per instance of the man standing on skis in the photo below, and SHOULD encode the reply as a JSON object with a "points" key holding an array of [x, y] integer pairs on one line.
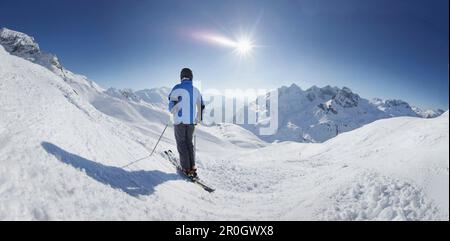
{"points": [[186, 105]]}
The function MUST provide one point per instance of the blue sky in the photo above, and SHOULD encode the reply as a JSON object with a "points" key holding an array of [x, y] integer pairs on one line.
{"points": [[378, 48]]}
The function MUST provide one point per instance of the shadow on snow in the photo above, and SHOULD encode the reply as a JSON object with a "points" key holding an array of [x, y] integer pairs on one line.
{"points": [[133, 183]]}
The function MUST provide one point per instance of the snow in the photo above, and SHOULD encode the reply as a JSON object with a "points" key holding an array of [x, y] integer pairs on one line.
{"points": [[380, 198], [393, 169], [24, 46], [432, 113], [18, 42], [63, 141], [156, 97], [320, 114]]}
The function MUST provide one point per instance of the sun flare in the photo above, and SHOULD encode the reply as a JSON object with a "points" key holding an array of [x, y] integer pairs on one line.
{"points": [[244, 47], [241, 46]]}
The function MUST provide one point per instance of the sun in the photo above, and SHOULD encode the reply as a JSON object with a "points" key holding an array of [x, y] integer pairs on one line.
{"points": [[244, 47]]}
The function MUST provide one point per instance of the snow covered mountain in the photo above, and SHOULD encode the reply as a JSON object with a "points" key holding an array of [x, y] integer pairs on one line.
{"points": [[394, 107], [154, 96], [63, 142], [312, 115], [318, 114], [126, 94], [428, 113], [24, 46]]}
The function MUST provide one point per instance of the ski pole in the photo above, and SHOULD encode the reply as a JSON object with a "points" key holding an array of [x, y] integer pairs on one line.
{"points": [[154, 148]]}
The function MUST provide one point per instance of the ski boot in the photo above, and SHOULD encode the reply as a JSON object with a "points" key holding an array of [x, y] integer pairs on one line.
{"points": [[192, 174]]}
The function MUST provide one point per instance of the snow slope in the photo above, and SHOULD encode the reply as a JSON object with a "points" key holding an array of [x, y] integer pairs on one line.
{"points": [[414, 151], [51, 163], [63, 142], [392, 169], [40, 110]]}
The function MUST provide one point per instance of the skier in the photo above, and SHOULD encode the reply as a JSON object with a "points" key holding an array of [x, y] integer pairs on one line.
{"points": [[186, 106]]}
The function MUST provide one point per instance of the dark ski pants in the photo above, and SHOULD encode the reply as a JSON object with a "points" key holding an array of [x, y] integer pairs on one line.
{"points": [[183, 136]]}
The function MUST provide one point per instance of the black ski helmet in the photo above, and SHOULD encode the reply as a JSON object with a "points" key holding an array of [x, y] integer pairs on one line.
{"points": [[186, 73]]}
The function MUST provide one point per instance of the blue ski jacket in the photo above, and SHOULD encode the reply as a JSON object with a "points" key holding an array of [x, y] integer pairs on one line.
{"points": [[186, 103]]}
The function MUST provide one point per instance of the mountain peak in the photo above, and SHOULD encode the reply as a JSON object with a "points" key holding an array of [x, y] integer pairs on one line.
{"points": [[346, 98], [17, 42], [24, 46], [293, 88], [430, 113], [293, 91], [396, 102]]}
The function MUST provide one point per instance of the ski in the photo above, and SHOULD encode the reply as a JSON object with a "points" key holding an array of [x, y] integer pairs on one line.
{"points": [[172, 159]]}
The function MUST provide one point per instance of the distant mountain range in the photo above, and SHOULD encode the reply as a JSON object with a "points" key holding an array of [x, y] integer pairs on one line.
{"points": [[312, 115], [318, 114], [154, 96]]}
